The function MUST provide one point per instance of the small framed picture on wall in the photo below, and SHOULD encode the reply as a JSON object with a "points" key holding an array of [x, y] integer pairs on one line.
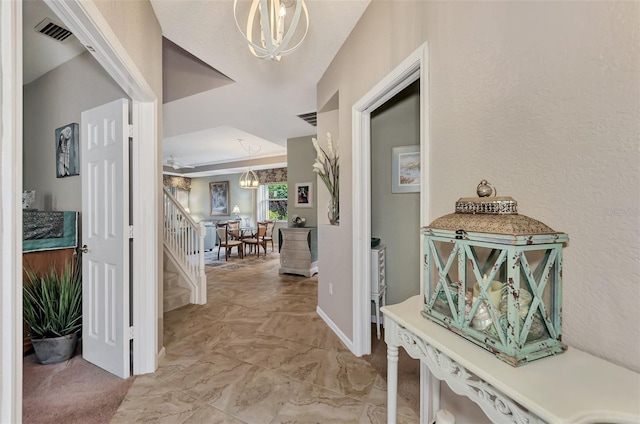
{"points": [[304, 195], [67, 146], [405, 168]]}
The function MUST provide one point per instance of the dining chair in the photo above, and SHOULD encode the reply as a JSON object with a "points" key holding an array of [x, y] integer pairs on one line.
{"points": [[225, 240], [269, 236], [234, 229], [258, 239]]}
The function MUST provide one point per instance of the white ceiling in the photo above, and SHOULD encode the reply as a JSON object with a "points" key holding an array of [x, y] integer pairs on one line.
{"points": [[260, 106], [40, 52]]}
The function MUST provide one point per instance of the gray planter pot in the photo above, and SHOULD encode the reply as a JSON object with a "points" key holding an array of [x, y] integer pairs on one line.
{"points": [[54, 350]]}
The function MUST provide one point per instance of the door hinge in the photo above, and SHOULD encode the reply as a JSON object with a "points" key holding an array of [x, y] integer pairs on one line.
{"points": [[130, 231], [130, 333], [130, 131]]}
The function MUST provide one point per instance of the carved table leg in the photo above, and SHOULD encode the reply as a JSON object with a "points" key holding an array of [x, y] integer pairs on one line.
{"points": [[392, 383]]}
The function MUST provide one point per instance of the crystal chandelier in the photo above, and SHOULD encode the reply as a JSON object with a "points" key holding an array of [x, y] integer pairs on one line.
{"points": [[276, 28], [249, 179]]}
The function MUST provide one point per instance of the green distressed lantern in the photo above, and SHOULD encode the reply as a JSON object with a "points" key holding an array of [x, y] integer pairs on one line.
{"points": [[495, 278]]}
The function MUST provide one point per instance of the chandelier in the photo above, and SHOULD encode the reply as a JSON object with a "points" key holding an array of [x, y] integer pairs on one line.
{"points": [[276, 28], [249, 179]]}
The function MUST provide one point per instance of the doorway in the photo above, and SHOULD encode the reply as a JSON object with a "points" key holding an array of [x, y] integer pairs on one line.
{"points": [[414, 68], [90, 27], [395, 194]]}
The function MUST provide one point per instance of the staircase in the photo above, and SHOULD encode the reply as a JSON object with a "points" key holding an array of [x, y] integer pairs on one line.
{"points": [[183, 241], [176, 294]]}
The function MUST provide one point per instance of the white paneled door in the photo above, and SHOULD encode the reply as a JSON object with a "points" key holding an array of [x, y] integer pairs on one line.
{"points": [[104, 170]]}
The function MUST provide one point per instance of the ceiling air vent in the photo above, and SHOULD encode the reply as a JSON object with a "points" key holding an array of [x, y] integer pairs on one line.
{"points": [[310, 118], [51, 29]]}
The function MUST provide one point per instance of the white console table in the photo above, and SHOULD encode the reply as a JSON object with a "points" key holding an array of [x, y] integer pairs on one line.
{"points": [[573, 387]]}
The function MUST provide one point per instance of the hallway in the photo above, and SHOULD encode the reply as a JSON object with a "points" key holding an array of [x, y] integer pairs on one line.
{"points": [[257, 352]]}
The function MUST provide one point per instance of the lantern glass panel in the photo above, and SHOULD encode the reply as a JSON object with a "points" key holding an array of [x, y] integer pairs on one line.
{"points": [[445, 265], [486, 276], [536, 302]]}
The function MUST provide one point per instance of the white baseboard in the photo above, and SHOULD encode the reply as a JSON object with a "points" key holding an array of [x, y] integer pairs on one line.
{"points": [[335, 329]]}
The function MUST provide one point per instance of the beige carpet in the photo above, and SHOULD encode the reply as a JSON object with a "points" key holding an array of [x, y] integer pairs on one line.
{"points": [[71, 392]]}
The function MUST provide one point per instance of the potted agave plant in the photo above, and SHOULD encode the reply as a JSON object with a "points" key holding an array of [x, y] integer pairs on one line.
{"points": [[53, 311]]}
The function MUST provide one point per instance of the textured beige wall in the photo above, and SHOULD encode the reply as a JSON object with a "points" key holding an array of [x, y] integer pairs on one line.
{"points": [[334, 266], [540, 98], [53, 100], [135, 24]]}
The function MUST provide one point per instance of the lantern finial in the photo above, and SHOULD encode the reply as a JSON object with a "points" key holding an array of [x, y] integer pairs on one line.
{"points": [[485, 189]]}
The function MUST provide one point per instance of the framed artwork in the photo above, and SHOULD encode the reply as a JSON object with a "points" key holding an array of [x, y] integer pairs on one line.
{"points": [[304, 195], [405, 169], [219, 198], [67, 146]]}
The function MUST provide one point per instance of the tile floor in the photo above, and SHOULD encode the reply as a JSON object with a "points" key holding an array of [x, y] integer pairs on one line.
{"points": [[257, 352]]}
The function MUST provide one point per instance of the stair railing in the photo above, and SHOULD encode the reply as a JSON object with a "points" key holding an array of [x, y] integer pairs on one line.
{"points": [[184, 244]]}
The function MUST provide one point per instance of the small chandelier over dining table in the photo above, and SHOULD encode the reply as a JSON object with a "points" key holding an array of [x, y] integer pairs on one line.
{"points": [[249, 179], [276, 27]]}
